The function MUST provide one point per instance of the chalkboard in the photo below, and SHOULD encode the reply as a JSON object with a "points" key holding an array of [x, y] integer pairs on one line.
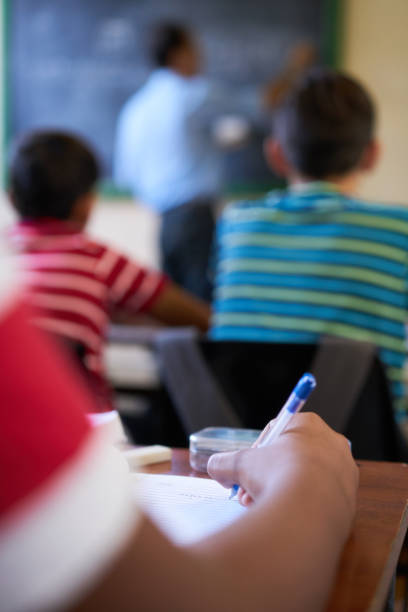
{"points": [[73, 63]]}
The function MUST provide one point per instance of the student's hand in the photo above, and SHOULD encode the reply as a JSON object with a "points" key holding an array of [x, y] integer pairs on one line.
{"points": [[307, 439]]}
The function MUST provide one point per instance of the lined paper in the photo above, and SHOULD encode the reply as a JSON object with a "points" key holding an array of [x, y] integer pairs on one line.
{"points": [[186, 509]]}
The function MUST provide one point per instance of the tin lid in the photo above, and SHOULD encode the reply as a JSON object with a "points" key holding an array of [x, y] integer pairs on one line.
{"points": [[216, 439]]}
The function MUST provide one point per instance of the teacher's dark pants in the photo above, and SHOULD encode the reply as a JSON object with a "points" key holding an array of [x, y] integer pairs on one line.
{"points": [[186, 240]]}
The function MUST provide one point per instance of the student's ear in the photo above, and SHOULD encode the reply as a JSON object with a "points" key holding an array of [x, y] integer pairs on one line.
{"points": [[275, 157], [370, 156], [11, 198]]}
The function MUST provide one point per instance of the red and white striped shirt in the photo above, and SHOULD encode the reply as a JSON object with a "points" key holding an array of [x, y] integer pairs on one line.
{"points": [[76, 284]]}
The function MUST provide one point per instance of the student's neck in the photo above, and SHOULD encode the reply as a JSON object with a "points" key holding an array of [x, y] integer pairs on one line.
{"points": [[181, 71], [348, 185], [78, 222]]}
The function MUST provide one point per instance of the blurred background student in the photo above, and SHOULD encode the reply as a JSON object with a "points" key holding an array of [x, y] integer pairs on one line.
{"points": [[76, 284], [315, 260], [166, 152]]}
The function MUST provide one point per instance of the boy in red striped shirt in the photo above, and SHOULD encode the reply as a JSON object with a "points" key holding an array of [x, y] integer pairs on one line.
{"points": [[76, 283]]}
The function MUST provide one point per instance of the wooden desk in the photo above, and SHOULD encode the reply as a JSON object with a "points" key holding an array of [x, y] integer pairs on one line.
{"points": [[371, 554]]}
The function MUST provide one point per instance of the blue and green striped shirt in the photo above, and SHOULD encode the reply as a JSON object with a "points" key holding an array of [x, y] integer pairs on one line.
{"points": [[312, 261]]}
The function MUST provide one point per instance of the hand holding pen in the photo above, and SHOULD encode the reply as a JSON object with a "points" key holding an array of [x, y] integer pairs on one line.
{"points": [[274, 428]]}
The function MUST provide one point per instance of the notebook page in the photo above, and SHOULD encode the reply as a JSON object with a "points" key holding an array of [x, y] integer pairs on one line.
{"points": [[186, 509]]}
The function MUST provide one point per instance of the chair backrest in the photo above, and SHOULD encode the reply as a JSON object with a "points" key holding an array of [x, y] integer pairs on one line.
{"points": [[246, 383], [258, 377], [197, 397]]}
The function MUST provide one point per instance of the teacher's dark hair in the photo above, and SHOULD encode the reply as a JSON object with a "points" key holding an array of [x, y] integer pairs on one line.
{"points": [[166, 37], [49, 172], [325, 124]]}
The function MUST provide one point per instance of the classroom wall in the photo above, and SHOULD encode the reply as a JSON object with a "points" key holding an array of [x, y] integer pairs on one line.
{"points": [[129, 226], [375, 48]]}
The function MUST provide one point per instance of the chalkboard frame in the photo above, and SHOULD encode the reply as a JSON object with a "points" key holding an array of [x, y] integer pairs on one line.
{"points": [[333, 17]]}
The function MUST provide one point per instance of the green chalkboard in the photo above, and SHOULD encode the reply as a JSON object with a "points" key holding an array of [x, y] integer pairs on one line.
{"points": [[72, 64]]}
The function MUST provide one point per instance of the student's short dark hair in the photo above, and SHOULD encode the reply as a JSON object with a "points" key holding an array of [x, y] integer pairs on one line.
{"points": [[166, 37], [49, 172], [325, 124]]}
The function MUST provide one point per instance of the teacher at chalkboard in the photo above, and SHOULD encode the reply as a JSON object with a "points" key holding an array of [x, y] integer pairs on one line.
{"points": [[166, 154]]}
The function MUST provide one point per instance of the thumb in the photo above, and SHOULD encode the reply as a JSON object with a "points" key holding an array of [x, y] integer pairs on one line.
{"points": [[223, 467]]}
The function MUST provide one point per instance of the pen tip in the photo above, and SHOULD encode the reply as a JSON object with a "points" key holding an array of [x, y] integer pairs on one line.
{"points": [[233, 491]]}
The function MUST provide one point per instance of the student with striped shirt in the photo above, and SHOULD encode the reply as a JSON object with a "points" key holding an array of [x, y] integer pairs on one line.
{"points": [[315, 259], [75, 283]]}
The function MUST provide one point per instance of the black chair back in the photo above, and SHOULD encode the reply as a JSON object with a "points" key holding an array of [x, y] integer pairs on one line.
{"points": [[258, 377]]}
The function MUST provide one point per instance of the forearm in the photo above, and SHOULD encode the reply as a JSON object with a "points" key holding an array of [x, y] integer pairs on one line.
{"points": [[151, 574], [177, 307], [300, 58], [283, 555]]}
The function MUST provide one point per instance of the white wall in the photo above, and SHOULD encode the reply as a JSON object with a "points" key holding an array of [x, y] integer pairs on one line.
{"points": [[375, 49], [128, 226]]}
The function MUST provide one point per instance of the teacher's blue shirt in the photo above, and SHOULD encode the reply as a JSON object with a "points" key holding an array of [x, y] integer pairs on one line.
{"points": [[164, 152]]}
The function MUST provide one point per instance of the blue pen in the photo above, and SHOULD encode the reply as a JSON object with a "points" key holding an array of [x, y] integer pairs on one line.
{"points": [[294, 404]]}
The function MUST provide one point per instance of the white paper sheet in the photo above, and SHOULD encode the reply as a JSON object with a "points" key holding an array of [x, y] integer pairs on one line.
{"points": [[186, 509]]}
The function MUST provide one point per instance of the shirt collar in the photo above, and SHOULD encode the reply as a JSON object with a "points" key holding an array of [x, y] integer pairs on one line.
{"points": [[314, 187], [311, 196], [46, 227], [37, 234], [167, 74], [162, 74]]}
